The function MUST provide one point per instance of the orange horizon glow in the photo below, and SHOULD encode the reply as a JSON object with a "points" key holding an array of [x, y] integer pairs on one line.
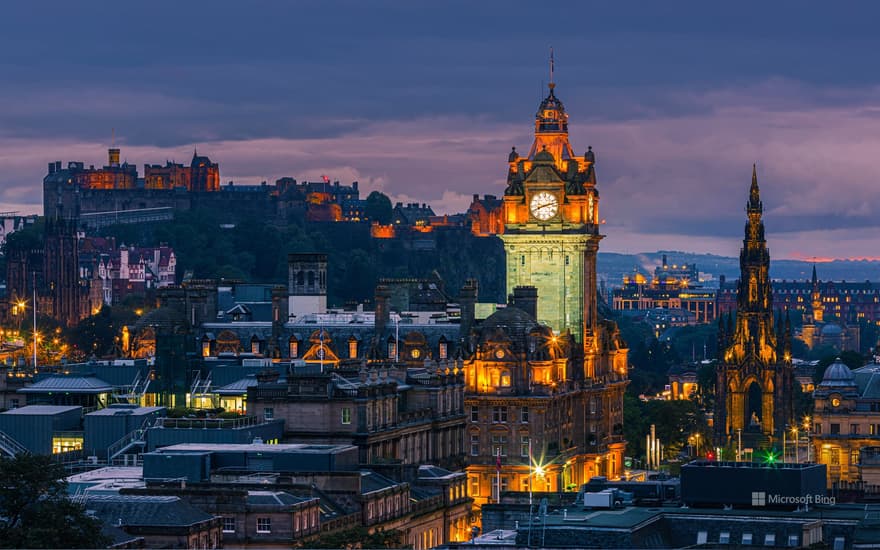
{"points": [[825, 259]]}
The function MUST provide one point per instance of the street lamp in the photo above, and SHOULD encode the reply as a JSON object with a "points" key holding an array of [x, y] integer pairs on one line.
{"points": [[807, 426]]}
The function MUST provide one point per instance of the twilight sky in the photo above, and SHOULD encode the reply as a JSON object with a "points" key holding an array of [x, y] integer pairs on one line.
{"points": [[424, 100]]}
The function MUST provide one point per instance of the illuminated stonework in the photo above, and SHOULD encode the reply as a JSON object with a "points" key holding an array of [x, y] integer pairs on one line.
{"points": [[545, 376], [755, 376], [551, 223]]}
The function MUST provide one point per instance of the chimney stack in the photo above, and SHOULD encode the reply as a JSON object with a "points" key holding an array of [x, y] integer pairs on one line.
{"points": [[526, 299], [467, 301], [383, 313]]}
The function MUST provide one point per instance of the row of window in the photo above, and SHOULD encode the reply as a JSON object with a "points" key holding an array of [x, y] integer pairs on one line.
{"points": [[378, 508], [306, 521], [500, 414], [499, 445], [769, 539], [854, 429]]}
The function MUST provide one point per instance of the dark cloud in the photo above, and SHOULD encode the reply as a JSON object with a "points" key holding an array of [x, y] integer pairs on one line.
{"points": [[423, 100]]}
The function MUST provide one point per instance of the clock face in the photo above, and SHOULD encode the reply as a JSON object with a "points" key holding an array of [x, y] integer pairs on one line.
{"points": [[544, 205], [835, 402], [499, 354]]}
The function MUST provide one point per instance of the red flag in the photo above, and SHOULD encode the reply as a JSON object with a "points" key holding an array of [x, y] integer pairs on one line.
{"points": [[326, 179]]}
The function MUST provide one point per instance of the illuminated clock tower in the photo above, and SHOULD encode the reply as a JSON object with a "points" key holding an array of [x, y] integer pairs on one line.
{"points": [[551, 224]]}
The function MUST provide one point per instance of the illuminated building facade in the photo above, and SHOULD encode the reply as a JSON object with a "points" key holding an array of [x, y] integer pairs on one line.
{"points": [[846, 422], [755, 378], [200, 175], [844, 303], [557, 396], [672, 287], [484, 216]]}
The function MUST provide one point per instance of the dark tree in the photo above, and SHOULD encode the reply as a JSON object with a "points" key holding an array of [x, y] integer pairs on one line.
{"points": [[98, 334], [706, 386], [35, 511], [360, 537], [378, 207]]}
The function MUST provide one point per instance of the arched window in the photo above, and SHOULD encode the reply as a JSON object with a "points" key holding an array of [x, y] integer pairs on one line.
{"points": [[293, 347]]}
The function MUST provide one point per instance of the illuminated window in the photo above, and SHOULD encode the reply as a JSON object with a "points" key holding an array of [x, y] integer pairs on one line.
{"points": [[352, 348], [443, 350], [505, 379], [294, 348], [66, 442], [346, 415]]}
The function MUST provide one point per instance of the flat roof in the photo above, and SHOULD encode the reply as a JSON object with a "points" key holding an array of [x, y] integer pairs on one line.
{"points": [[298, 448], [121, 411], [36, 410], [632, 516], [108, 473]]}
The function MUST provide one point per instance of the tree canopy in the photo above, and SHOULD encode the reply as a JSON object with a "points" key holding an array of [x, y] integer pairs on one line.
{"points": [[35, 511], [378, 207]]}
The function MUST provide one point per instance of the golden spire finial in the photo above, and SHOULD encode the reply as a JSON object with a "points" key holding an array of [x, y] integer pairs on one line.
{"points": [[551, 84]]}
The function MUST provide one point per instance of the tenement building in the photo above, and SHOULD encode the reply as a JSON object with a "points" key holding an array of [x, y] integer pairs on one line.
{"points": [[846, 422], [755, 376], [545, 376]]}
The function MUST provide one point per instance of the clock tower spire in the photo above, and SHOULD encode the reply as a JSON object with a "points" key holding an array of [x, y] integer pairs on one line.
{"points": [[551, 232]]}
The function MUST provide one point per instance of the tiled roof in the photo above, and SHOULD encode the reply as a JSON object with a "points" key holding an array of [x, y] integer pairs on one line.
{"points": [[69, 384], [372, 482], [239, 387], [429, 471], [868, 380], [273, 498], [143, 510]]}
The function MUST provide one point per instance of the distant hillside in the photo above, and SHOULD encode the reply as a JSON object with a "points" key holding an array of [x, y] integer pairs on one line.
{"points": [[612, 266]]}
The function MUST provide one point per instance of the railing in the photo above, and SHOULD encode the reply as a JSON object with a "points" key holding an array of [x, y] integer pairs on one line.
{"points": [[68, 457], [209, 423], [135, 437], [10, 446]]}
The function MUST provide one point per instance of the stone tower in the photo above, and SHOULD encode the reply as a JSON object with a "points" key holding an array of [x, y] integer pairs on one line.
{"points": [[545, 375], [306, 284], [754, 376], [551, 216]]}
